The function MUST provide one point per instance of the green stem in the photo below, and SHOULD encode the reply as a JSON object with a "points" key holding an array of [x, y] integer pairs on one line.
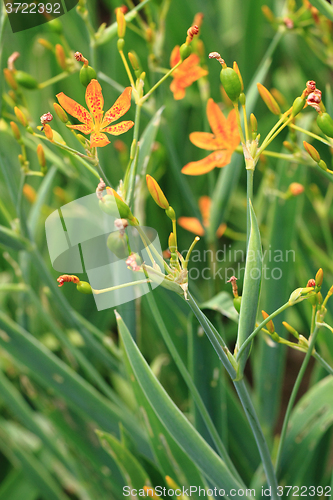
{"points": [[145, 97], [131, 173], [243, 396], [190, 384], [293, 396], [54, 79], [323, 363], [118, 287], [249, 196], [311, 134], [267, 141], [128, 71], [257, 330]]}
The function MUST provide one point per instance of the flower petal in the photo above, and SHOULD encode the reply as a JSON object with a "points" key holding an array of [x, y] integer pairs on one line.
{"points": [[75, 109], [218, 122], [177, 90], [204, 140], [191, 224], [98, 140], [94, 100], [221, 230], [216, 159], [119, 128], [204, 207], [81, 128], [175, 56], [120, 107]]}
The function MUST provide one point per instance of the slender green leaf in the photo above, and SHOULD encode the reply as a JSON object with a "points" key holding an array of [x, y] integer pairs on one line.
{"points": [[251, 287], [11, 239], [133, 472], [188, 438], [222, 302], [17, 486], [324, 7]]}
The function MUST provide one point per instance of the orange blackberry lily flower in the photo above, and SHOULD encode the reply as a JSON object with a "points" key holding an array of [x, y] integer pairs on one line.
{"points": [[93, 121], [223, 141], [188, 72], [193, 224]]}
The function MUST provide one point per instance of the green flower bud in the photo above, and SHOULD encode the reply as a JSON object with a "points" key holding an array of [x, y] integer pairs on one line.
{"points": [[185, 51], [25, 80], [242, 99], [118, 244], [325, 123], [55, 26], [298, 105], [87, 73], [84, 287], [171, 213], [237, 303], [231, 83], [120, 44], [115, 206]]}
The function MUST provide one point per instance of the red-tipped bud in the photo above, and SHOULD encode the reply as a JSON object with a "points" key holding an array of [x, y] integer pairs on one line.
{"points": [[236, 68], [291, 329], [60, 56], [310, 86], [191, 32], [311, 151], [10, 79], [121, 21], [311, 283], [41, 156], [319, 277], [48, 132], [15, 130], [62, 115], [314, 100], [156, 193], [268, 99], [20, 116], [270, 324], [46, 118]]}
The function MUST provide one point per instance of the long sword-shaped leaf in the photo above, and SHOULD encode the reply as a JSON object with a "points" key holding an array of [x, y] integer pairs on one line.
{"points": [[176, 423], [50, 371], [251, 288]]}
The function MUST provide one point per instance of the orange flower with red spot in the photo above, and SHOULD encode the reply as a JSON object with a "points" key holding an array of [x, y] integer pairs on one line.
{"points": [[193, 224], [94, 122], [223, 141], [188, 72]]}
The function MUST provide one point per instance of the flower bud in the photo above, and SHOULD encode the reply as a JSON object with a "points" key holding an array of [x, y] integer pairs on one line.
{"points": [[291, 329], [87, 73], [113, 204], [60, 56], [298, 105], [268, 13], [84, 287], [237, 303], [242, 99], [270, 324], [172, 243], [55, 26], [25, 80], [48, 132], [296, 189], [289, 146], [254, 124], [311, 151], [323, 165], [185, 51], [268, 99], [236, 68], [325, 123], [120, 44], [29, 193], [41, 156], [171, 213], [319, 277], [62, 115], [15, 130], [121, 21], [10, 79], [20, 116], [156, 192], [118, 244], [45, 43], [133, 58], [231, 83]]}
